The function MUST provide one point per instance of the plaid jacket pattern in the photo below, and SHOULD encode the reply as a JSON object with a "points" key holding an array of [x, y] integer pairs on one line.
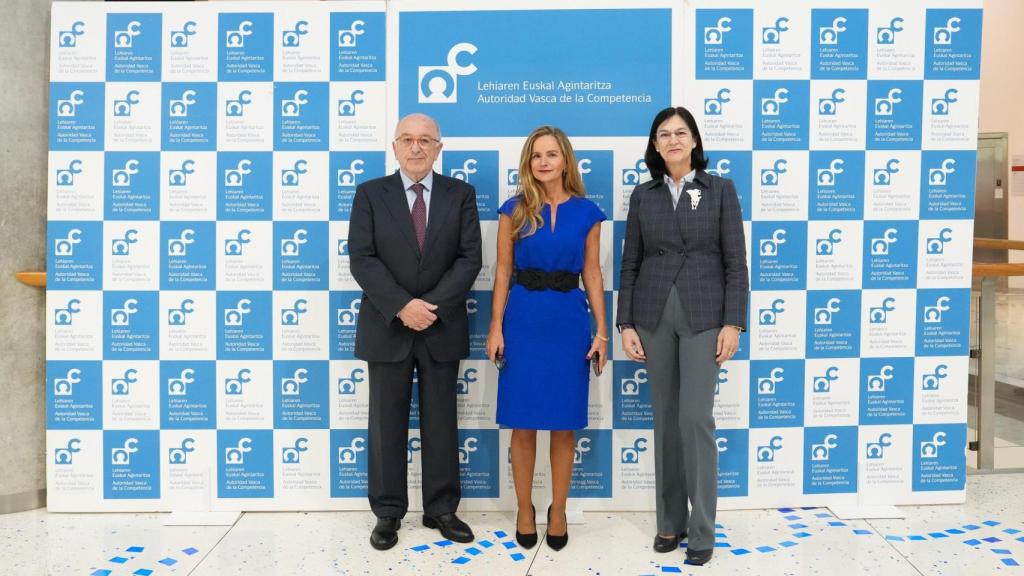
{"points": [[702, 251]]}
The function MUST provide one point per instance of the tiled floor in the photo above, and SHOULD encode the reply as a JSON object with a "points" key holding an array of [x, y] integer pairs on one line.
{"points": [[979, 537]]}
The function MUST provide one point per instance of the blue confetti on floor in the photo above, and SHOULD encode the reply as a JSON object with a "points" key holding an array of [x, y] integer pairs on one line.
{"points": [[740, 551], [472, 551], [862, 532], [486, 543], [517, 556], [142, 572], [167, 561], [500, 534], [443, 543], [420, 548], [671, 570], [509, 545], [134, 549], [189, 551], [460, 560], [101, 573], [1010, 562]]}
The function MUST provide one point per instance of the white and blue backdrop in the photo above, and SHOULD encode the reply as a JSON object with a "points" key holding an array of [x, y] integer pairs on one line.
{"points": [[203, 159]]}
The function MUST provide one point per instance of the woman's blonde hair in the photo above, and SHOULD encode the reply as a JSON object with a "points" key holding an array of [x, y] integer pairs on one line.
{"points": [[526, 217]]}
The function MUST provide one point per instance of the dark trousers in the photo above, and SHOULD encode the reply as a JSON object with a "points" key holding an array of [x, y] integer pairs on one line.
{"points": [[390, 396]]}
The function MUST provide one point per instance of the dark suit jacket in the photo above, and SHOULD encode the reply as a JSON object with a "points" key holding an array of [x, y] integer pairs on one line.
{"points": [[702, 251], [386, 262]]}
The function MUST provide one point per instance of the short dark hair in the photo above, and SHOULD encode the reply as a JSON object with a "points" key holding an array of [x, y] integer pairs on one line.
{"points": [[655, 163]]}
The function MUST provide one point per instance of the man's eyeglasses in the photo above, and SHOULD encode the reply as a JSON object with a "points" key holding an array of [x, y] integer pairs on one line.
{"points": [[423, 141]]}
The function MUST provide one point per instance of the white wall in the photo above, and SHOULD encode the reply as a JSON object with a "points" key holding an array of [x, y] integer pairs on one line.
{"points": [[1002, 96]]}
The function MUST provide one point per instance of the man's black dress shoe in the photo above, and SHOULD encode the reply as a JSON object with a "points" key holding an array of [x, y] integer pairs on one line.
{"points": [[527, 540], [662, 544], [385, 533], [451, 527], [698, 557], [556, 543]]}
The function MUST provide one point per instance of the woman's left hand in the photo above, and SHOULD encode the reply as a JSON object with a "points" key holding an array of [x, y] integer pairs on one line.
{"points": [[599, 346], [728, 343]]}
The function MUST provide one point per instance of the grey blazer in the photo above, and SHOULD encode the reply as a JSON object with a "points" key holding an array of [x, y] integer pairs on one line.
{"points": [[703, 252]]}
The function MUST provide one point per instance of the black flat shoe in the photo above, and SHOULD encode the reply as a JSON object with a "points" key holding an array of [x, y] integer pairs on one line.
{"points": [[385, 533], [662, 544], [698, 557], [556, 543], [527, 540], [450, 526]]}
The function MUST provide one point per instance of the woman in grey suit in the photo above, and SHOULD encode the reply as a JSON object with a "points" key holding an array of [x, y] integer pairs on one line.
{"points": [[682, 306]]}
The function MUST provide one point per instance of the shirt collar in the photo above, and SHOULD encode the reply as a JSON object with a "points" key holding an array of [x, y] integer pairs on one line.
{"points": [[428, 181], [688, 178]]}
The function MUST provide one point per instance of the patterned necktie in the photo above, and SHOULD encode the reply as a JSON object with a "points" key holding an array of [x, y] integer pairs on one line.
{"points": [[419, 214]]}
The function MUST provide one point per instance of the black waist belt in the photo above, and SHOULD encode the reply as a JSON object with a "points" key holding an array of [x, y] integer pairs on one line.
{"points": [[536, 279]]}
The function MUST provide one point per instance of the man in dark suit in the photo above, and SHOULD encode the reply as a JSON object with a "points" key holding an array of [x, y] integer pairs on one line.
{"points": [[414, 246]]}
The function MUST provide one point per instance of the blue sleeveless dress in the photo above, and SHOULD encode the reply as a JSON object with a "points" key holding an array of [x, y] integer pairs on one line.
{"points": [[544, 385]]}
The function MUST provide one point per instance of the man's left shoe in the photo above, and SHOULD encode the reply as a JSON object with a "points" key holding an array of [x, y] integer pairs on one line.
{"points": [[698, 557], [451, 527]]}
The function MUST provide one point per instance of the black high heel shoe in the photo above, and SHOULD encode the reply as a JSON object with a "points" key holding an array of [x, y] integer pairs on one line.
{"points": [[557, 542], [527, 540]]}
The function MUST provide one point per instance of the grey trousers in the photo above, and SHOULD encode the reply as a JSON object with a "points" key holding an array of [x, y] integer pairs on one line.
{"points": [[682, 372]]}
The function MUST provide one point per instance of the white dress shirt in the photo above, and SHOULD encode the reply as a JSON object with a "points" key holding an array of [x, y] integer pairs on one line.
{"points": [[677, 189], [428, 183]]}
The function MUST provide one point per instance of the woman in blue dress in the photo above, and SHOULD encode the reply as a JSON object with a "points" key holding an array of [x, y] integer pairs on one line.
{"points": [[548, 234]]}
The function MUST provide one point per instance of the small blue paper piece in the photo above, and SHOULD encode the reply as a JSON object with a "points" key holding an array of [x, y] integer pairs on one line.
{"points": [[671, 570], [894, 538], [916, 538], [938, 535], [517, 556], [720, 535], [861, 532], [822, 515], [101, 572], [787, 544], [420, 548], [509, 545], [719, 526], [990, 523], [791, 517], [1010, 562], [955, 531], [190, 551], [460, 560], [1011, 531], [797, 526], [801, 534], [500, 534], [739, 551], [723, 545], [142, 572], [836, 523], [118, 560], [134, 549], [443, 543], [1021, 539], [1002, 551], [991, 539], [972, 542], [785, 510], [971, 527], [486, 543], [765, 549], [472, 551]]}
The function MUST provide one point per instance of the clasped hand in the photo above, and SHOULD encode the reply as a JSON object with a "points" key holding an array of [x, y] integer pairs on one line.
{"points": [[418, 314]]}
